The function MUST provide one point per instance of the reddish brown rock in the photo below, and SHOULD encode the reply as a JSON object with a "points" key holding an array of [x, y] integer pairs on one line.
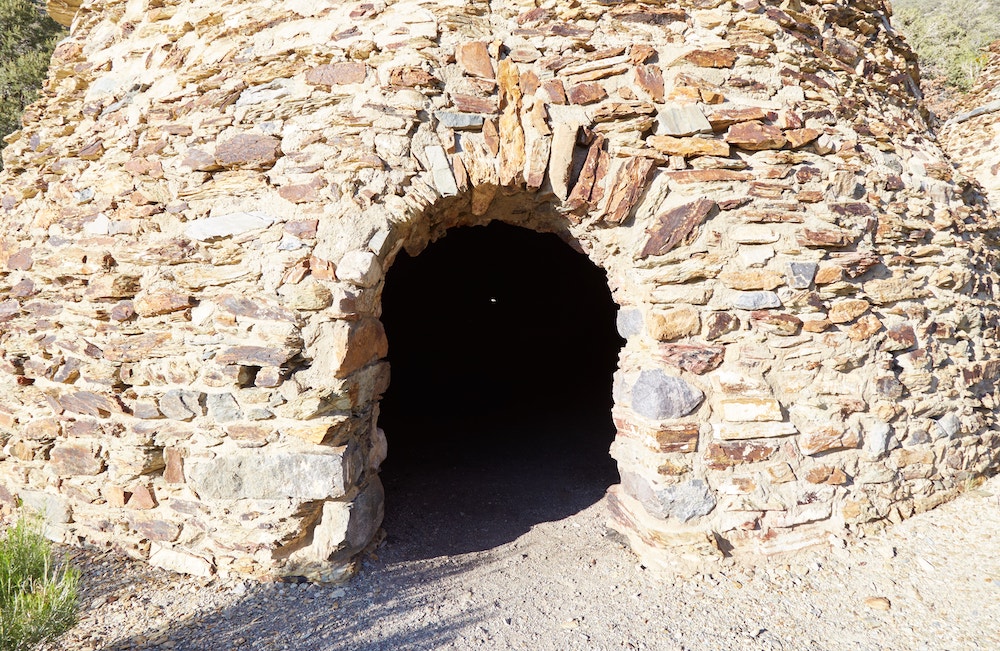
{"points": [[722, 119], [583, 192], [677, 437], [650, 79], [255, 356], [825, 238], [20, 261], [776, 322], [142, 498], [901, 337], [337, 74], [626, 189], [755, 136], [720, 456], [472, 104], [358, 343], [586, 93], [708, 176], [688, 147], [303, 192], [248, 150], [76, 458], [474, 58], [865, 328], [691, 357], [675, 225], [93, 151], [162, 302], [173, 472], [825, 439], [720, 323], [799, 137], [710, 58], [411, 77], [847, 310]]}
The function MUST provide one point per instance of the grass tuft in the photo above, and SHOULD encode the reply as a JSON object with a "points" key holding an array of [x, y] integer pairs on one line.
{"points": [[38, 598]]}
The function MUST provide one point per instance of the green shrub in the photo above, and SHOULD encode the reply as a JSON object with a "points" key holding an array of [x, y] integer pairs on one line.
{"points": [[949, 35], [38, 600], [27, 38]]}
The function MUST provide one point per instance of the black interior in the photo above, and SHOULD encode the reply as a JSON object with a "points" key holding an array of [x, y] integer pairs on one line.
{"points": [[502, 345]]}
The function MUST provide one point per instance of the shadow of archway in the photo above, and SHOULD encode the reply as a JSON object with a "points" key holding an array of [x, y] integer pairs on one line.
{"points": [[502, 345]]}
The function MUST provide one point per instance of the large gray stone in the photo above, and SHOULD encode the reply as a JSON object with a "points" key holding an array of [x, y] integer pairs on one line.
{"points": [[657, 395], [629, 323], [269, 475], [180, 404], [454, 120], [684, 120], [683, 501], [801, 274], [223, 408], [756, 300]]}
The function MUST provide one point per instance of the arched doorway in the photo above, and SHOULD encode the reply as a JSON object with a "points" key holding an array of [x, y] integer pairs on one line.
{"points": [[502, 345]]}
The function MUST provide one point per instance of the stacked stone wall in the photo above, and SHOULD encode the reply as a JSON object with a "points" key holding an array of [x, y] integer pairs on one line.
{"points": [[198, 216], [971, 137]]}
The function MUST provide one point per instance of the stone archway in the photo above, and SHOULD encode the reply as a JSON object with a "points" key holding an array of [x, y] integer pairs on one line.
{"points": [[502, 345], [199, 212]]}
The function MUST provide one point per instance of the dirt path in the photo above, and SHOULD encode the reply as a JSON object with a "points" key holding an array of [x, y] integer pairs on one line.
{"points": [[568, 584]]}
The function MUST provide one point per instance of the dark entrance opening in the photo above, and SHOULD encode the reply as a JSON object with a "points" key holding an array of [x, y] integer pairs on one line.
{"points": [[502, 343]]}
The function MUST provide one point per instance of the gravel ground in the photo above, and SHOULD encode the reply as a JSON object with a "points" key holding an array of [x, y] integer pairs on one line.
{"points": [[932, 582]]}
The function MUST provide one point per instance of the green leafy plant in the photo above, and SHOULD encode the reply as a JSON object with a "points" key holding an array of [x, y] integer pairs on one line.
{"points": [[949, 35], [27, 38], [38, 598]]}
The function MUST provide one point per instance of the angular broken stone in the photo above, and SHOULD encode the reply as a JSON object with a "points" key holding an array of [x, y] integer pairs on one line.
{"points": [[728, 454], [756, 300], [824, 439], [675, 225], [689, 147], [847, 310], [710, 58], [658, 396], [269, 475], [337, 74], [212, 228], [76, 458], [248, 150], [674, 323], [586, 93], [755, 136], [474, 58], [801, 274], [682, 501], [454, 120], [686, 120], [181, 404]]}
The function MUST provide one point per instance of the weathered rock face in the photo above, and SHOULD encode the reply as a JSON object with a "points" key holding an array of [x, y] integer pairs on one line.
{"points": [[972, 138], [197, 219]]}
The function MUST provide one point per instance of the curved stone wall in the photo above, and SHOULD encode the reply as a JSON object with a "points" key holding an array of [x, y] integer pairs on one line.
{"points": [[198, 215], [972, 137]]}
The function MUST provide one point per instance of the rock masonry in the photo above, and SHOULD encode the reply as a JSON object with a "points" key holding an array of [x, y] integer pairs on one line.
{"points": [[198, 215], [972, 137]]}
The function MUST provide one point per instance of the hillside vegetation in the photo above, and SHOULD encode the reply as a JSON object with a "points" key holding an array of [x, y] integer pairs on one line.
{"points": [[27, 38], [949, 35]]}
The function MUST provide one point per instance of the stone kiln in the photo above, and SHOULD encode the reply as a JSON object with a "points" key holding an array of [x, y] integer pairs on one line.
{"points": [[198, 214]]}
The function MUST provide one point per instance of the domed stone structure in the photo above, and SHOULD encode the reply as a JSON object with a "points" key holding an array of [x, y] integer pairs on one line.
{"points": [[198, 216]]}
